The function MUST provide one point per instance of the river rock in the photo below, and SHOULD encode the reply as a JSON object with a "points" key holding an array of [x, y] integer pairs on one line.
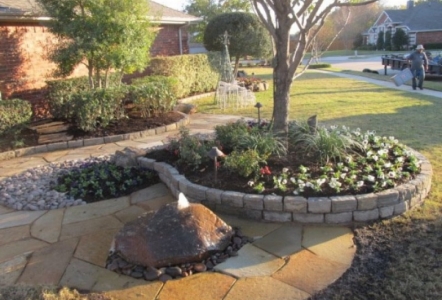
{"points": [[127, 157], [177, 233]]}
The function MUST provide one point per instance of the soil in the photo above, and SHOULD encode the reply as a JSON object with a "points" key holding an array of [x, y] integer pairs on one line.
{"points": [[29, 137], [231, 181]]}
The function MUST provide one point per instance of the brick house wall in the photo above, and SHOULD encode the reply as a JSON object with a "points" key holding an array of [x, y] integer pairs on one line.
{"points": [[24, 68], [428, 37]]}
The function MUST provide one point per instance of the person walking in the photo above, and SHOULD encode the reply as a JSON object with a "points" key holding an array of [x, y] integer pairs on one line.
{"points": [[418, 63]]}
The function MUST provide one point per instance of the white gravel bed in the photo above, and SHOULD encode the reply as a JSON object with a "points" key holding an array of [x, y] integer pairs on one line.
{"points": [[33, 188]]}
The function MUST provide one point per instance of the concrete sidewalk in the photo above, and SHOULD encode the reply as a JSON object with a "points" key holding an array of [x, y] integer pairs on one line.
{"points": [[69, 247]]}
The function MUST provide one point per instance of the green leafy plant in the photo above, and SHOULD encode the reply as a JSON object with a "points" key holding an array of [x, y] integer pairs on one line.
{"points": [[97, 108], [154, 95], [246, 163], [230, 135], [104, 180], [191, 151], [14, 114]]}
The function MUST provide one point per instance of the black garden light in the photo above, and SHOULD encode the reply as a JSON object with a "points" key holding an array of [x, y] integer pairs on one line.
{"points": [[258, 105], [214, 153]]}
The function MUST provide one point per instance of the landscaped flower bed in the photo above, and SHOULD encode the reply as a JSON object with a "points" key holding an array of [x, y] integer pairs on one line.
{"points": [[325, 171]]}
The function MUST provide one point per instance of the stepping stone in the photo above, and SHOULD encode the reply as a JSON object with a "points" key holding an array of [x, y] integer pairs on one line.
{"points": [[207, 286], [309, 272], [18, 218], [156, 191], [48, 265], [123, 287], [48, 226], [82, 275], [94, 248], [264, 288], [95, 210], [282, 242], [250, 228], [11, 270], [157, 203], [9, 235], [25, 246], [89, 227], [332, 243], [129, 214], [251, 261]]}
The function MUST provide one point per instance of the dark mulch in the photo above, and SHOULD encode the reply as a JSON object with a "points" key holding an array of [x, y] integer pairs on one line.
{"points": [[29, 138]]}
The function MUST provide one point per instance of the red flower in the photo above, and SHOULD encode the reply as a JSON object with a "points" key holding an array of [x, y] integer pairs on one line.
{"points": [[176, 152], [265, 170]]}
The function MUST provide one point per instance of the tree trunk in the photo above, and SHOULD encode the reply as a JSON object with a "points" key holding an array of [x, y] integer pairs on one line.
{"points": [[282, 83]]}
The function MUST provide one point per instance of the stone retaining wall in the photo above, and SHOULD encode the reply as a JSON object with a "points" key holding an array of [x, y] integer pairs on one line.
{"points": [[94, 141], [330, 210]]}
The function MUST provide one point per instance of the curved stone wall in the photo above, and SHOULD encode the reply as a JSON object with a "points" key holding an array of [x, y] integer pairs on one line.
{"points": [[331, 210]]}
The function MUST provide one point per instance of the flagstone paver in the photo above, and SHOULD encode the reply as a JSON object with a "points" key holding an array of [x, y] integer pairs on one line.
{"points": [[83, 275], [47, 265], [94, 248], [332, 243], [9, 235], [88, 227], [251, 261], [309, 272], [207, 286], [282, 242], [264, 288], [48, 227], [5, 210], [124, 289], [155, 204], [129, 214], [95, 210], [11, 270], [11, 250], [52, 156], [18, 218], [155, 191], [250, 228]]}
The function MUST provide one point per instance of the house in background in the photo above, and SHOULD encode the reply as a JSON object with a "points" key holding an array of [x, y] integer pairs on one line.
{"points": [[421, 22], [24, 41]]}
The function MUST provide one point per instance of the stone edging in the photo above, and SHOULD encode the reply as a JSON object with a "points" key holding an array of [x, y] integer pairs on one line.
{"points": [[94, 141], [330, 210]]}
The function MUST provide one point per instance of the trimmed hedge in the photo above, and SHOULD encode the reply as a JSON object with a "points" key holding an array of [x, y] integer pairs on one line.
{"points": [[319, 66], [196, 73], [14, 114], [60, 94], [97, 108], [154, 94]]}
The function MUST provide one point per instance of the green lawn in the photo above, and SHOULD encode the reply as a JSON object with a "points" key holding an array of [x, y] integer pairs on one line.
{"points": [[410, 245]]}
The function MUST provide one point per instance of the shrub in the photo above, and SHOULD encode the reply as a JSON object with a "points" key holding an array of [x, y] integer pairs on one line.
{"points": [[104, 180], [191, 150], [154, 94], [14, 114], [229, 135], [97, 108], [195, 73], [246, 163], [60, 94], [319, 66]]}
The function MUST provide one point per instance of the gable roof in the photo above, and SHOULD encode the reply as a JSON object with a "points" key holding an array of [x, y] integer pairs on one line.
{"points": [[29, 10], [426, 16]]}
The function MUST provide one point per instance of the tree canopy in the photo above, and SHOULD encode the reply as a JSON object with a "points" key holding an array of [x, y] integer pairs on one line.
{"points": [[247, 35], [208, 9], [104, 35]]}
